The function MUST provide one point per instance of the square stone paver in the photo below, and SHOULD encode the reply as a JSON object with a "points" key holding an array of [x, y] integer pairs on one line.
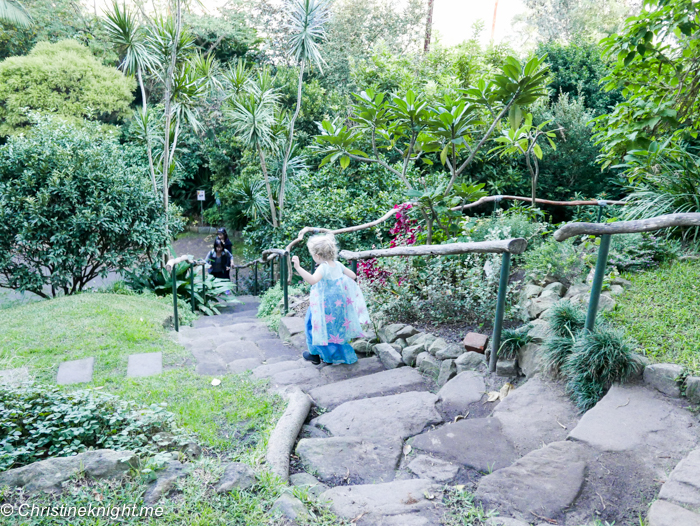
{"points": [[75, 371], [147, 364], [14, 376]]}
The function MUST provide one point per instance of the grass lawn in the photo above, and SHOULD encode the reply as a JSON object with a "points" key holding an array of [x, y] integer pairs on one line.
{"points": [[661, 312]]}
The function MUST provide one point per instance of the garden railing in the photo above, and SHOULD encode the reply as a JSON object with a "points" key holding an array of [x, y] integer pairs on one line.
{"points": [[606, 231], [171, 266]]}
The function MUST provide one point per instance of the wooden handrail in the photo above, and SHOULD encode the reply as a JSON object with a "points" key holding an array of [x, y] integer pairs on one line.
{"points": [[511, 246], [627, 227], [492, 198], [188, 258]]}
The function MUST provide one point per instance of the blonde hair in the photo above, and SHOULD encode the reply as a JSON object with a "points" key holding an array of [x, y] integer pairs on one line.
{"points": [[323, 246]]}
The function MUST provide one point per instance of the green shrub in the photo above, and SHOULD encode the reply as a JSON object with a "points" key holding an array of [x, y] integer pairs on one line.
{"points": [[269, 308], [565, 319], [512, 340], [598, 359], [564, 261], [39, 422], [62, 78], [555, 351], [637, 252], [73, 207]]}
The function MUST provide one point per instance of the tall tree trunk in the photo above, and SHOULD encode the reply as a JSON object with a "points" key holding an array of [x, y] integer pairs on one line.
{"points": [[290, 141], [144, 104], [263, 165], [428, 27], [493, 24]]}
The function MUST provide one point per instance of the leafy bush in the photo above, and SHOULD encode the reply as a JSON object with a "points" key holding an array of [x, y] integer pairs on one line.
{"points": [[64, 78], [269, 308], [556, 350], [562, 260], [565, 319], [39, 422], [73, 207], [512, 340], [636, 252], [598, 359]]}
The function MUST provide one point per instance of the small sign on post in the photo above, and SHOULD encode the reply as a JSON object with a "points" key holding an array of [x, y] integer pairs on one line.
{"points": [[201, 196]]}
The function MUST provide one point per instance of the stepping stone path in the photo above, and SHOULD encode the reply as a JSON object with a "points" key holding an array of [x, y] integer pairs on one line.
{"points": [[147, 364], [75, 371]]}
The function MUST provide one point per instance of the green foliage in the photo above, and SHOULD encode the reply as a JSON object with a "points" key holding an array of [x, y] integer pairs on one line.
{"points": [[64, 78], [598, 359], [512, 340], [40, 422], [73, 207], [565, 319], [564, 261], [269, 309], [661, 310], [637, 252], [462, 510], [556, 351], [228, 35]]}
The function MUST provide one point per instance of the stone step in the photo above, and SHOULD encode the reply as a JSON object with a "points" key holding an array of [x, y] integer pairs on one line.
{"points": [[362, 367], [75, 371], [268, 370], [242, 365], [146, 364], [238, 350], [291, 326], [350, 459], [306, 378], [383, 383], [401, 415], [14, 377], [683, 485], [274, 350]]}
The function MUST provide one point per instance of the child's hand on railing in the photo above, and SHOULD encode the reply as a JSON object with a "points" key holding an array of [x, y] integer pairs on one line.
{"points": [[295, 261]]}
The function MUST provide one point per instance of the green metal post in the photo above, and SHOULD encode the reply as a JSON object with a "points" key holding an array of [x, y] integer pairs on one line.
{"points": [[500, 311], [192, 284], [601, 204], [204, 285], [353, 265], [255, 286], [597, 285], [238, 290], [175, 318], [272, 272], [285, 277]]}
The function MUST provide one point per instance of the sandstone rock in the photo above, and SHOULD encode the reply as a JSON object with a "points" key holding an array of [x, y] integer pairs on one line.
{"points": [[683, 485], [642, 362], [605, 302], [236, 475], [308, 431], [530, 291], [393, 332], [437, 345], [616, 290], [470, 361], [409, 354], [621, 282], [539, 331], [555, 289], [390, 358], [393, 381], [411, 340], [538, 305], [165, 482], [475, 342], [308, 377], [448, 370], [476, 443], [400, 415], [290, 508], [362, 346], [291, 326], [401, 343], [664, 377], [456, 395], [47, 475], [545, 482], [452, 351], [692, 389], [428, 365], [314, 487], [376, 500], [530, 359], [536, 413], [437, 470], [360, 460], [507, 368], [577, 288], [663, 513], [361, 367]]}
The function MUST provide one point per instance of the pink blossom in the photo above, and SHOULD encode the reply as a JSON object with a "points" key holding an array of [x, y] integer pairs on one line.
{"points": [[335, 339]]}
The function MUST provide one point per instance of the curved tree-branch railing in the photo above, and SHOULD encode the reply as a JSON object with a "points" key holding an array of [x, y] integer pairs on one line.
{"points": [[606, 230], [511, 246], [498, 198]]}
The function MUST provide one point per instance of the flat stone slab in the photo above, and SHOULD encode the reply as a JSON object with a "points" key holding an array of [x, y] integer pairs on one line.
{"points": [[75, 371], [536, 413], [289, 326], [273, 349], [211, 369], [383, 383], [245, 364], [478, 443], [632, 417], [376, 500], [456, 395], [401, 415], [238, 350], [14, 376], [358, 460], [663, 513], [543, 482], [146, 364], [362, 367], [440, 471], [271, 369], [306, 378], [683, 485]]}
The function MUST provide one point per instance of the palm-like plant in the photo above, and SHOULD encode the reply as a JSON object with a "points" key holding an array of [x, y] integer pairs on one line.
{"points": [[306, 23], [253, 118], [14, 13]]}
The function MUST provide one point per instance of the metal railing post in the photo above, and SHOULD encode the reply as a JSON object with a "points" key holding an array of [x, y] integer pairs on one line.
{"points": [[192, 284], [176, 321], [238, 290], [597, 285], [255, 285], [601, 204], [272, 272], [285, 288], [353, 265], [500, 311], [204, 285]]}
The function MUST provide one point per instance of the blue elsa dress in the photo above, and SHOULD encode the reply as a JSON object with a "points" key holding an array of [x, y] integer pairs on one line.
{"points": [[337, 314]]}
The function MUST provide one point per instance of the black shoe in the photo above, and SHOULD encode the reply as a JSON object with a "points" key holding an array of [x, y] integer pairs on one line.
{"points": [[313, 358]]}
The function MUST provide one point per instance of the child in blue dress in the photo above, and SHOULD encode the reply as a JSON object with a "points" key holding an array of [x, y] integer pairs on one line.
{"points": [[337, 311]]}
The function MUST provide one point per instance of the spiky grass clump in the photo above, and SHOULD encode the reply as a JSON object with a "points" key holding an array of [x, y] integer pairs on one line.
{"points": [[565, 319], [555, 353], [512, 340], [598, 359]]}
